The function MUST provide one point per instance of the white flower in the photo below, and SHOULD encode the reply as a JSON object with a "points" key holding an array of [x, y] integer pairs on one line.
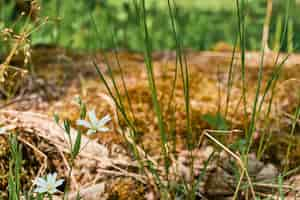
{"points": [[94, 124], [2, 130], [48, 185]]}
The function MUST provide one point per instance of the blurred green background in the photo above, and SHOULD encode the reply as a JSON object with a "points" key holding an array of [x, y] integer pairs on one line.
{"points": [[202, 23]]}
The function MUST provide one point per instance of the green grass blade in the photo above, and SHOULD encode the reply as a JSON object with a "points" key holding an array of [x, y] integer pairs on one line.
{"points": [[152, 85], [255, 104]]}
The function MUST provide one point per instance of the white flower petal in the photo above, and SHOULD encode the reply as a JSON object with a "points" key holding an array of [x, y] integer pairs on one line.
{"points": [[52, 191], [93, 117], [40, 190], [40, 182], [84, 123], [54, 175], [52, 179], [2, 130], [104, 120], [103, 129], [59, 182], [48, 177], [49, 184], [91, 131]]}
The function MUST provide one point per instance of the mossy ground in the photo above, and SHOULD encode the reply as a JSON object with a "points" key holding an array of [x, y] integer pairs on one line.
{"points": [[73, 75]]}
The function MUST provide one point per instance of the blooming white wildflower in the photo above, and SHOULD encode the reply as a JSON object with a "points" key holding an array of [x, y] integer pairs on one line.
{"points": [[94, 124], [48, 185]]}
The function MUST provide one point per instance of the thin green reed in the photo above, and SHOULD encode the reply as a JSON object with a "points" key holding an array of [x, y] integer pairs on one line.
{"points": [[270, 86], [278, 31], [107, 63], [14, 191], [280, 187], [171, 15], [173, 111], [184, 70], [116, 55], [152, 85], [272, 81], [58, 5], [117, 98], [230, 77], [256, 100], [133, 132], [241, 16], [110, 91], [294, 123], [290, 36], [285, 29]]}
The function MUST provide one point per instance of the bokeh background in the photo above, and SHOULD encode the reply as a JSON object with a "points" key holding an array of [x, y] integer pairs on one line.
{"points": [[203, 24]]}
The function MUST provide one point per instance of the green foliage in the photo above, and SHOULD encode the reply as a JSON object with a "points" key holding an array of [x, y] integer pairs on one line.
{"points": [[290, 36], [202, 23], [278, 31], [217, 122], [239, 145], [280, 187]]}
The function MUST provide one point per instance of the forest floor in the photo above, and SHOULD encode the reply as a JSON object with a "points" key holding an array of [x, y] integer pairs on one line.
{"points": [[61, 75]]}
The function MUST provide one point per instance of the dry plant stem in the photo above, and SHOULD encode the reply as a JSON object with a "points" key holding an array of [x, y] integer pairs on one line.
{"points": [[149, 175], [141, 151], [5, 65], [237, 158], [69, 169], [290, 116], [12, 52], [44, 165], [140, 178], [275, 186], [216, 131], [95, 181], [16, 100], [123, 173], [268, 196], [266, 28], [20, 39], [239, 185], [271, 196]]}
